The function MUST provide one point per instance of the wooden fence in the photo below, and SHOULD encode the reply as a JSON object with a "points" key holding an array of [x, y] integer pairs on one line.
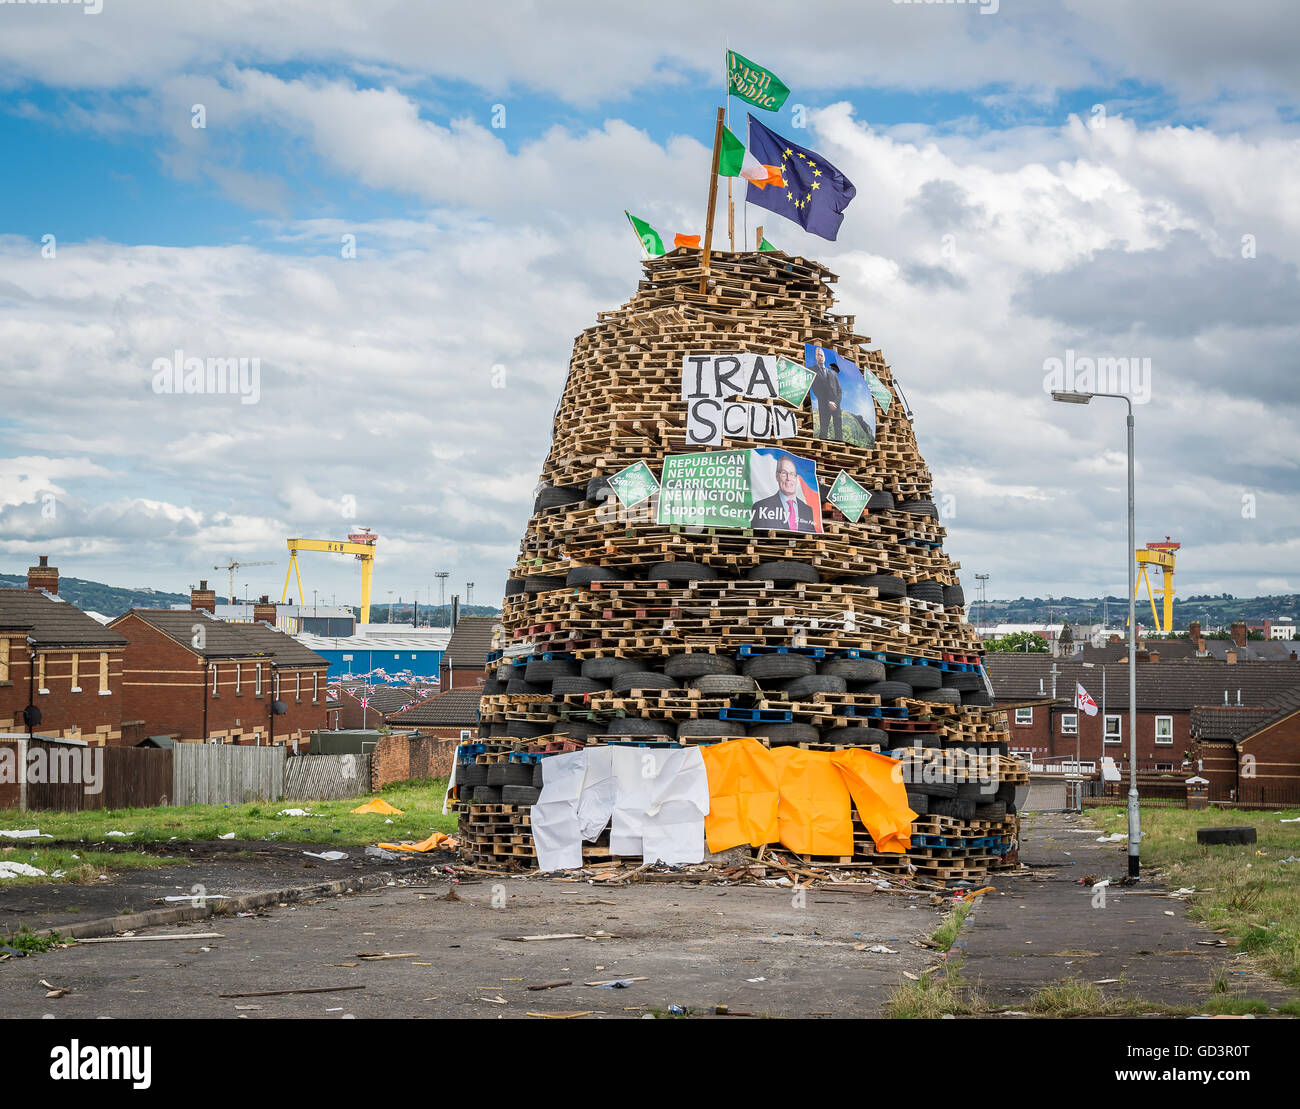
{"points": [[69, 778], [325, 777], [224, 774]]}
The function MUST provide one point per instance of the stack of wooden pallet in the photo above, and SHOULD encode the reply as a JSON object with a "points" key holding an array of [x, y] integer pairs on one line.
{"points": [[621, 629]]}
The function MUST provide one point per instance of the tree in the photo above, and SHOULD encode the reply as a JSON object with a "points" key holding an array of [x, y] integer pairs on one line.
{"points": [[1030, 642]]}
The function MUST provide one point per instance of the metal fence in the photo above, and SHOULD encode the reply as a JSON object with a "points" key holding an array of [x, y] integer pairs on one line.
{"points": [[224, 774], [325, 777]]}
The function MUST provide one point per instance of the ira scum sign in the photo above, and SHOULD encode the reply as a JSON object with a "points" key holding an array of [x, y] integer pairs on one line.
{"points": [[709, 384]]}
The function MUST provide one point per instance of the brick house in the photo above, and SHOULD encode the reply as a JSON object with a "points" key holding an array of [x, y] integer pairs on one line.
{"points": [[1167, 694], [54, 656], [197, 678], [443, 722], [1251, 755], [464, 662]]}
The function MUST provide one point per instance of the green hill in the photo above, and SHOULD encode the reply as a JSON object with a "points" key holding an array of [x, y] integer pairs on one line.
{"points": [[93, 596]]}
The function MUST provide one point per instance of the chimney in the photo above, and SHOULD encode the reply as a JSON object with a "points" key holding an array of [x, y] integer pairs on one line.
{"points": [[1239, 633], [203, 599], [43, 576], [1154, 656], [264, 611], [1194, 634], [1230, 657]]}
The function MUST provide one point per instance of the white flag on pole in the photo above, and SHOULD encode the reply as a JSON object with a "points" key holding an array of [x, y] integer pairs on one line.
{"points": [[1083, 701]]}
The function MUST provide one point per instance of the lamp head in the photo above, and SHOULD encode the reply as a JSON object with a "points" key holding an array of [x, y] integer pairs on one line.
{"points": [[1072, 398]]}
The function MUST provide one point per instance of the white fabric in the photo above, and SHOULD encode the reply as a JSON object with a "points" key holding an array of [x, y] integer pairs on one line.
{"points": [[672, 829], [596, 802], [554, 817], [637, 772]]}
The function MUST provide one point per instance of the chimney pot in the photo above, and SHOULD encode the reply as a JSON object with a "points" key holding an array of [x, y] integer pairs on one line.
{"points": [[1239, 633], [43, 576]]}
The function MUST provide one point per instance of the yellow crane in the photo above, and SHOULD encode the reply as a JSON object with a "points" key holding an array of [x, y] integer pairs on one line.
{"points": [[1158, 555], [361, 545]]}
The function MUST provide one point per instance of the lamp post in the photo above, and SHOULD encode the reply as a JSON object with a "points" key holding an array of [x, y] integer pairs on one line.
{"points": [[1134, 824]]}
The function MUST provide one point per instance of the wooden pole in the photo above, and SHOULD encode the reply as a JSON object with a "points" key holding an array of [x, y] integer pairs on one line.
{"points": [[713, 199], [758, 237]]}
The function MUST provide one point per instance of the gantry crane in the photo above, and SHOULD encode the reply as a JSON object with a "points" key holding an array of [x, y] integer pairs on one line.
{"points": [[1161, 555], [231, 566], [360, 545]]}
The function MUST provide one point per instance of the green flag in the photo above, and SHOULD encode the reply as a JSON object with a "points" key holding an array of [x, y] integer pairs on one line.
{"points": [[754, 84], [650, 240], [732, 155], [765, 245]]}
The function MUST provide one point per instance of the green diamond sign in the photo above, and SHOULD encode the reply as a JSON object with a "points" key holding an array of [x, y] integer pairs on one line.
{"points": [[792, 381], [848, 496], [634, 484]]}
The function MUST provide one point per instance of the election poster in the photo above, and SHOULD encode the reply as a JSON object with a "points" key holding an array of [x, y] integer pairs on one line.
{"points": [[844, 406], [764, 489], [634, 484]]}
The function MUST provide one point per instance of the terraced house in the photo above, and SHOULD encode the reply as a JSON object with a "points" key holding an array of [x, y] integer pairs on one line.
{"points": [[199, 679], [54, 656]]}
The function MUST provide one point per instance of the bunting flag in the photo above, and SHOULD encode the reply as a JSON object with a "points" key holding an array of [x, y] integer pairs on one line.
{"points": [[754, 84], [686, 240], [735, 161], [765, 245], [815, 193]]}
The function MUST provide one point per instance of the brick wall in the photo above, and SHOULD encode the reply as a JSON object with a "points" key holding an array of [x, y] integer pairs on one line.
{"points": [[1274, 774], [1046, 735], [420, 755], [65, 714]]}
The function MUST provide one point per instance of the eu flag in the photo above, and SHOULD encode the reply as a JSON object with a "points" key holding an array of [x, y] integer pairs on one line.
{"points": [[815, 193]]}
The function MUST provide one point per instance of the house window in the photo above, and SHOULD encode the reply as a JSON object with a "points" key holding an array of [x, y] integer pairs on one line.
{"points": [[76, 662], [257, 684], [239, 672], [465, 734], [275, 684], [315, 679], [297, 684], [1165, 730], [1114, 732], [4, 660], [40, 674], [103, 672], [214, 679], [1024, 716], [1164, 766], [1070, 723]]}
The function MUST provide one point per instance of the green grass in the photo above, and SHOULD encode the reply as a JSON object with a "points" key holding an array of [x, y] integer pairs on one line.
{"points": [[1074, 998], [79, 865], [333, 822], [946, 933], [933, 996], [29, 943], [1245, 889]]}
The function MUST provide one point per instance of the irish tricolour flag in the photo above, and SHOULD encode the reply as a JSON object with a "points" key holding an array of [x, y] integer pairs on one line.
{"points": [[735, 161]]}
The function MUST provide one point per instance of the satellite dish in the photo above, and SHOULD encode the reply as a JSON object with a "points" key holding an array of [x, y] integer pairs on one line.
{"points": [[32, 715], [279, 708]]}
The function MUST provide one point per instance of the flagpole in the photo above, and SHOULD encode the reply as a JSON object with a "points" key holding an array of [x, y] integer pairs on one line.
{"points": [[713, 199], [726, 99]]}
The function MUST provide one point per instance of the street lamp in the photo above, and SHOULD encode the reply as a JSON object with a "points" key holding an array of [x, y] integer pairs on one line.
{"points": [[1134, 824]]}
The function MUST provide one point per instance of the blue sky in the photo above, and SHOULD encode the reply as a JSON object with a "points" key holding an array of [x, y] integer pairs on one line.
{"points": [[999, 223]]}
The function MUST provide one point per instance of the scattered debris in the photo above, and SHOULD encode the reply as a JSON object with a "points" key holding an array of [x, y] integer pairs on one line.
{"points": [[615, 983], [328, 856], [565, 1015], [24, 833], [552, 985], [295, 812], [20, 870], [378, 805], [280, 993], [129, 937]]}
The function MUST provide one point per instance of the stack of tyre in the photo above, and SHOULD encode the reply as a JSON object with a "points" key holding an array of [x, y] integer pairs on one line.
{"points": [[499, 783]]}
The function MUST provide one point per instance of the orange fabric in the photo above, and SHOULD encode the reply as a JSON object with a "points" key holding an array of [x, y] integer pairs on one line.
{"points": [[378, 805], [435, 841], [773, 178], [686, 240], [744, 794], [880, 795], [814, 817]]}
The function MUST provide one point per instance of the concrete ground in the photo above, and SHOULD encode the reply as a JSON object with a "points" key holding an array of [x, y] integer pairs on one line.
{"points": [[697, 947], [1043, 926]]}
